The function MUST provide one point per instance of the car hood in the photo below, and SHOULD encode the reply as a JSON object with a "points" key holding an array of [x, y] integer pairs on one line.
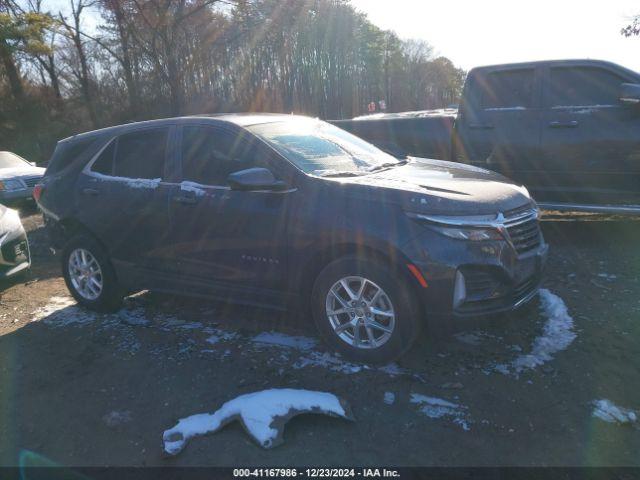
{"points": [[447, 188], [9, 221], [16, 172]]}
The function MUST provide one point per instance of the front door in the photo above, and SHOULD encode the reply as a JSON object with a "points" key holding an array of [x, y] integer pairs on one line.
{"points": [[224, 237], [499, 129]]}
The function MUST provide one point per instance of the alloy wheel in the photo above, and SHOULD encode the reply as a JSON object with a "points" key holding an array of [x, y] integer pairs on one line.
{"points": [[360, 312], [85, 274]]}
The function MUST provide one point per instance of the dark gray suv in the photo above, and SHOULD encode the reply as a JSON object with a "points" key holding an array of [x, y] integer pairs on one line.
{"points": [[279, 210]]}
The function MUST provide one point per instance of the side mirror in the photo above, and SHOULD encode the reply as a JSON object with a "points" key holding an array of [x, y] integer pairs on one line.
{"points": [[630, 93], [253, 179]]}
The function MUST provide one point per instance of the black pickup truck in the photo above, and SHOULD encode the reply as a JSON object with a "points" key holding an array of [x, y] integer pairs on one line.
{"points": [[568, 130]]}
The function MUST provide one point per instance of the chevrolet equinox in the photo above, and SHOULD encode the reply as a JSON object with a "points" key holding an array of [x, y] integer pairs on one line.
{"points": [[283, 210]]}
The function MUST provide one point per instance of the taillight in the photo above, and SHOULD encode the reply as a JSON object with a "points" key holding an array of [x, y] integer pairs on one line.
{"points": [[37, 191]]}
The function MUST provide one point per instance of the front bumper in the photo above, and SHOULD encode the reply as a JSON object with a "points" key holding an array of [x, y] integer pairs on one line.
{"points": [[496, 277], [15, 256], [13, 197]]}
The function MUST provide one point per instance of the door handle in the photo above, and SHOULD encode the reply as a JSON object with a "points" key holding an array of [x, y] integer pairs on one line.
{"points": [[557, 124], [91, 191], [186, 199], [480, 126]]}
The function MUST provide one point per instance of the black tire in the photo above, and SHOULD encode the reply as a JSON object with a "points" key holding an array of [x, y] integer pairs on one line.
{"points": [[110, 298], [397, 289]]}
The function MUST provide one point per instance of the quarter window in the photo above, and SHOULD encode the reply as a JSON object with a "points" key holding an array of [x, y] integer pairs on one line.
{"points": [[141, 154], [508, 89], [583, 86], [209, 155]]}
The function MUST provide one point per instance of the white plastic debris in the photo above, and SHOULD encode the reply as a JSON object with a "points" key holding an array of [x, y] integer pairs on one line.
{"points": [[609, 412], [557, 335], [262, 414]]}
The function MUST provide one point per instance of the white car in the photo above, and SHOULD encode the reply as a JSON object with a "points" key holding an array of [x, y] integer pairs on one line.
{"points": [[17, 178], [14, 246]]}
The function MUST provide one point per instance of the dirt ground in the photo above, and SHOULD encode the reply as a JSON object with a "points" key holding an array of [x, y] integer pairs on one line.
{"points": [[84, 389]]}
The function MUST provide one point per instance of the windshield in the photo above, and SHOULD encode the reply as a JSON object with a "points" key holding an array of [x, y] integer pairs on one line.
{"points": [[319, 148], [11, 160]]}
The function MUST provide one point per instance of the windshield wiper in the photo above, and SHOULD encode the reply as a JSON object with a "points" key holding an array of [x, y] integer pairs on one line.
{"points": [[389, 165]]}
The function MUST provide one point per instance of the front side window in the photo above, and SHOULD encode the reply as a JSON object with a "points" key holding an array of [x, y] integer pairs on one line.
{"points": [[141, 154], [583, 86], [319, 148], [508, 89], [210, 155]]}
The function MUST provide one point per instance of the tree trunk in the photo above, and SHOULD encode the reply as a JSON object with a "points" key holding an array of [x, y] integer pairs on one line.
{"points": [[129, 79], [12, 71]]}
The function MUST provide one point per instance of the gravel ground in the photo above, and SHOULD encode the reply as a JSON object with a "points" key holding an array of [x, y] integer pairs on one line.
{"points": [[86, 389]]}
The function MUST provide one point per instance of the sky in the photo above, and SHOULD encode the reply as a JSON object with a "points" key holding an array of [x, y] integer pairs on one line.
{"points": [[483, 32]]}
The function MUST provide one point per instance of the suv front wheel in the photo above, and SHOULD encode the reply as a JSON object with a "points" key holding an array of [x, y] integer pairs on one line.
{"points": [[89, 275], [364, 310]]}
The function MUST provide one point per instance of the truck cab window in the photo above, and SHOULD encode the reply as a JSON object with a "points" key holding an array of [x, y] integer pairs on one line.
{"points": [[209, 155], [507, 89], [141, 154], [583, 86]]}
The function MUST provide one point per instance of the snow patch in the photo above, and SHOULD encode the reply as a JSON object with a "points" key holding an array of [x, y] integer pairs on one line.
{"points": [[131, 182], [116, 418], [394, 369], [287, 341], [434, 407], [389, 398], [557, 335], [62, 312], [193, 187], [608, 276], [470, 338], [262, 414], [609, 412], [326, 360], [220, 336]]}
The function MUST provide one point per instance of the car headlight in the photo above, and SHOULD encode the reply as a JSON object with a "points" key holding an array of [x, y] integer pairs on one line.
{"points": [[473, 234], [473, 228], [9, 185]]}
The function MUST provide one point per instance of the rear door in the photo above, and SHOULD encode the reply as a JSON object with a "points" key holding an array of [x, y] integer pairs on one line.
{"points": [[123, 198], [223, 237], [499, 126], [590, 141]]}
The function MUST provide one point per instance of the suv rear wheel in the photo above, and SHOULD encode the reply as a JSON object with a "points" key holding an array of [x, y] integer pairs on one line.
{"points": [[364, 310], [89, 275]]}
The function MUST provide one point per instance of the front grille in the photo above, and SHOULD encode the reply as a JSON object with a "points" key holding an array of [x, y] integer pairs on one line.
{"points": [[479, 283], [31, 181], [15, 251], [524, 231]]}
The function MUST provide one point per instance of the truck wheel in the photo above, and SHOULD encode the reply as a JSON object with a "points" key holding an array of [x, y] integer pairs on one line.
{"points": [[364, 311], [89, 275]]}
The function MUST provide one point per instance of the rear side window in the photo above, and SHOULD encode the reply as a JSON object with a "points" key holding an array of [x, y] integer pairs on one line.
{"points": [[64, 155], [209, 155], [508, 89], [583, 86], [141, 154]]}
